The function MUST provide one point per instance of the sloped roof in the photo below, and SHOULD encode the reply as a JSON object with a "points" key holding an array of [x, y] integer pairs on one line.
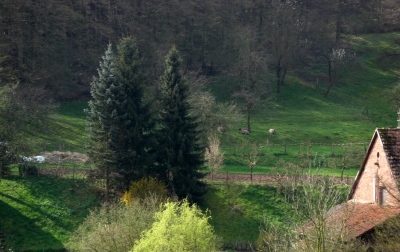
{"points": [[363, 217], [360, 217], [390, 139]]}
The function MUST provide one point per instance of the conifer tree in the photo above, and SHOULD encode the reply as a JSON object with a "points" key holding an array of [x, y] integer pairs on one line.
{"points": [[100, 117], [134, 141], [180, 153]]}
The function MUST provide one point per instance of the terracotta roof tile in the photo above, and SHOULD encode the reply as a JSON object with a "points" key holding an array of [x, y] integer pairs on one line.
{"points": [[359, 217]]}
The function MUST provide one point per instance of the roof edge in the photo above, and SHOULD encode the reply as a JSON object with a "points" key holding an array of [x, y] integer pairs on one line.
{"points": [[360, 171]]}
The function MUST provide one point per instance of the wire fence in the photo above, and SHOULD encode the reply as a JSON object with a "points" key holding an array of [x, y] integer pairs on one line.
{"points": [[72, 164], [307, 148]]}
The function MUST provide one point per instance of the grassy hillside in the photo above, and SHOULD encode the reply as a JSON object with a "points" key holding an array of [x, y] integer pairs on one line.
{"points": [[312, 130], [308, 124]]}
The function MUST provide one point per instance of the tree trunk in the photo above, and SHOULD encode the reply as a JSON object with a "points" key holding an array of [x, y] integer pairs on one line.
{"points": [[278, 76], [330, 78], [248, 121]]}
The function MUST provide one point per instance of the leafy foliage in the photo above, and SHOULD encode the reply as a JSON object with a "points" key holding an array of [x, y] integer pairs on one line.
{"points": [[114, 227], [386, 236], [146, 187], [179, 227]]}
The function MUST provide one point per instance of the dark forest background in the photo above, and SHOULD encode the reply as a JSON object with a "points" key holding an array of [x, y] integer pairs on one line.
{"points": [[56, 45]]}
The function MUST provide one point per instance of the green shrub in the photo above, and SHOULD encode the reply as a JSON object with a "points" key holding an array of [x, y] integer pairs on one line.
{"points": [[7, 157], [275, 237], [4, 169], [27, 169], [144, 188], [179, 227], [387, 235], [114, 227]]}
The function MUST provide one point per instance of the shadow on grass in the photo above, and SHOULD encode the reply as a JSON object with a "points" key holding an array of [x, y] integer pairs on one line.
{"points": [[18, 231], [238, 220], [264, 200], [39, 211], [35, 208]]}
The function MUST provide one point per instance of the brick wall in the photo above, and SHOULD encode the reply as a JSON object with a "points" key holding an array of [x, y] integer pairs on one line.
{"points": [[377, 168]]}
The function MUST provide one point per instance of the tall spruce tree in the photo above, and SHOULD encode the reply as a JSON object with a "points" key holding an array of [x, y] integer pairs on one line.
{"points": [[134, 142], [181, 154], [101, 116]]}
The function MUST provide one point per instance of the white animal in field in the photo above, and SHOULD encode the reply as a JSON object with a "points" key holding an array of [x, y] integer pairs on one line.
{"points": [[244, 131], [272, 131]]}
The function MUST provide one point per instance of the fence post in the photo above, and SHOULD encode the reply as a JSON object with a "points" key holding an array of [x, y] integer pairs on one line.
{"points": [[332, 150]]}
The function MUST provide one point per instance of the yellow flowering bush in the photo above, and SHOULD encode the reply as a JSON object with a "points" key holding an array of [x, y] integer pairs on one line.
{"points": [[143, 188]]}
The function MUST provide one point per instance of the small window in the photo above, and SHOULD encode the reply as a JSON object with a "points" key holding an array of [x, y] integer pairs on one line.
{"points": [[382, 195], [377, 155]]}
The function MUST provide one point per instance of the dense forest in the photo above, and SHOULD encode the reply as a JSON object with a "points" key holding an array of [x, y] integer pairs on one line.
{"points": [[56, 45]]}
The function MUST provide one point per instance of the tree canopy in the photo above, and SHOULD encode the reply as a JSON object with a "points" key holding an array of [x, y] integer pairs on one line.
{"points": [[180, 155]]}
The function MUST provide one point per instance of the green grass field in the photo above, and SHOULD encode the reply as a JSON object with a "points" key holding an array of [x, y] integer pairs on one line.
{"points": [[237, 211], [320, 133], [306, 121], [38, 212]]}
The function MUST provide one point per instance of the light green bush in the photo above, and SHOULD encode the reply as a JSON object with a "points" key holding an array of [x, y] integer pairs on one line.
{"points": [[178, 227], [114, 227]]}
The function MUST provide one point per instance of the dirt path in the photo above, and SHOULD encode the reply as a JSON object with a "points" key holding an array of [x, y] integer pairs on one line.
{"points": [[257, 178]]}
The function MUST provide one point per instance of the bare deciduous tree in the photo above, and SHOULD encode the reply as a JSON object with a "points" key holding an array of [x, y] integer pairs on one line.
{"points": [[249, 72], [212, 115], [214, 156], [252, 157], [315, 199]]}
